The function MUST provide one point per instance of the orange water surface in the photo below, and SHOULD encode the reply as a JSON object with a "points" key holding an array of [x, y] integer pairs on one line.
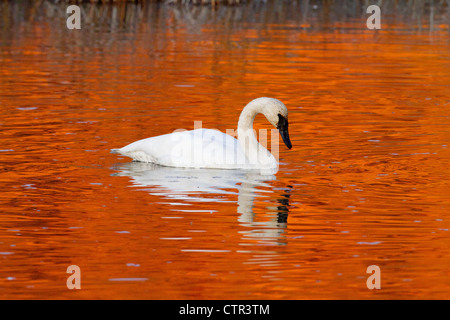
{"points": [[366, 182]]}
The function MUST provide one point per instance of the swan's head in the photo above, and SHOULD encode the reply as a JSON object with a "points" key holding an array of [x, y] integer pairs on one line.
{"points": [[277, 114]]}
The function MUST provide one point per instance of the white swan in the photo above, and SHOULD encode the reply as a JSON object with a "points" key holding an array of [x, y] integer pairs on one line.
{"points": [[207, 148]]}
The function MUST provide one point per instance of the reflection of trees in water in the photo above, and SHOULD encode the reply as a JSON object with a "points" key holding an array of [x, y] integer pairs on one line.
{"points": [[307, 14]]}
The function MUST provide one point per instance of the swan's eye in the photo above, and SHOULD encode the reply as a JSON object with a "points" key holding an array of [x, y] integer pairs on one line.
{"points": [[282, 122]]}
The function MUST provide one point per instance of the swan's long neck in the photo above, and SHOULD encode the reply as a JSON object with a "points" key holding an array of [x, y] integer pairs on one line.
{"points": [[254, 151]]}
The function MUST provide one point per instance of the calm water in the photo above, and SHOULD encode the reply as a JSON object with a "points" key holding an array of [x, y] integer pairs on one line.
{"points": [[366, 183]]}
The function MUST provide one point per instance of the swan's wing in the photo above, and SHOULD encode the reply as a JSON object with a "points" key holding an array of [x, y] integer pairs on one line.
{"points": [[201, 148]]}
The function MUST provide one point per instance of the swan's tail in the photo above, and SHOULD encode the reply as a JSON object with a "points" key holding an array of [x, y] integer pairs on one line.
{"points": [[115, 150]]}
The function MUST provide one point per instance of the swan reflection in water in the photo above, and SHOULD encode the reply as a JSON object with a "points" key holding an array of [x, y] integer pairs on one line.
{"points": [[185, 186]]}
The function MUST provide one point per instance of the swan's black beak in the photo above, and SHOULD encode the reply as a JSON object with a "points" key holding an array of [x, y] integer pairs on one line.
{"points": [[283, 127]]}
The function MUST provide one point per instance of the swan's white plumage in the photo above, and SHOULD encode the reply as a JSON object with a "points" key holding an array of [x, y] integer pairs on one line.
{"points": [[200, 148], [207, 148]]}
